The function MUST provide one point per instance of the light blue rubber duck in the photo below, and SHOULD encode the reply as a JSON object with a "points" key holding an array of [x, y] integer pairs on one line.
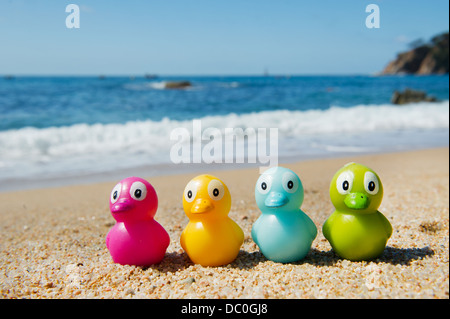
{"points": [[284, 233]]}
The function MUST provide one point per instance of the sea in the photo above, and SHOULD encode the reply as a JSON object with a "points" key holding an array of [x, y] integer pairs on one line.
{"points": [[58, 130]]}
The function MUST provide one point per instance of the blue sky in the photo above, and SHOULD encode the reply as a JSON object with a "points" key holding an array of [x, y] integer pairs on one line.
{"points": [[211, 37]]}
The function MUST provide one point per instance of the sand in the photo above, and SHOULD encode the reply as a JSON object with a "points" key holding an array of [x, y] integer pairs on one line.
{"points": [[52, 240]]}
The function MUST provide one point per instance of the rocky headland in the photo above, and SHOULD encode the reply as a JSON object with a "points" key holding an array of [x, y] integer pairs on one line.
{"points": [[422, 59]]}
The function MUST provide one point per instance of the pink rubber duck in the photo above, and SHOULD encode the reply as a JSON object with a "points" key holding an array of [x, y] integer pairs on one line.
{"points": [[136, 239]]}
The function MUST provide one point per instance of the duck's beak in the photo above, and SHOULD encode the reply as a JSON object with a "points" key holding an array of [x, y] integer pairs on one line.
{"points": [[275, 199], [202, 206], [122, 205], [356, 201]]}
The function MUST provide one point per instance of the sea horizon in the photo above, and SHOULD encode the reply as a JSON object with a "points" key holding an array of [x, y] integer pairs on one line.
{"points": [[274, 74]]}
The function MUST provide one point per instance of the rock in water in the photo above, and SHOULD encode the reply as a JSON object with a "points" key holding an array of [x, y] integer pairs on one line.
{"points": [[410, 96], [177, 84]]}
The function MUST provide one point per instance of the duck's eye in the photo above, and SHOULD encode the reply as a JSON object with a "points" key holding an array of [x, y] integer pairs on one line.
{"points": [[263, 184], [190, 191], [344, 182], [290, 182], [216, 190], [371, 183], [345, 185], [138, 191], [115, 193]]}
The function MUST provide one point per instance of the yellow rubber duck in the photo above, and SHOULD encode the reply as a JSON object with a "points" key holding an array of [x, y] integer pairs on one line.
{"points": [[210, 238]]}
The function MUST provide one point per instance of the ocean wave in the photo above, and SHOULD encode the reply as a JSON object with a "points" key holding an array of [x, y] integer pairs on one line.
{"points": [[157, 85], [161, 85], [152, 138], [145, 86], [230, 85]]}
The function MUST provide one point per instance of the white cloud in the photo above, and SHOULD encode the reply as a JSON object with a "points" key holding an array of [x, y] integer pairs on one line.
{"points": [[402, 39]]}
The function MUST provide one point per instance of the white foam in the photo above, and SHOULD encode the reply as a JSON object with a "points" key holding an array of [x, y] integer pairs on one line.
{"points": [[157, 85], [231, 85], [145, 86], [94, 147]]}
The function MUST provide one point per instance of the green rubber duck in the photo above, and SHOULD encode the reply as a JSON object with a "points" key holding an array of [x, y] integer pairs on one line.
{"points": [[357, 230]]}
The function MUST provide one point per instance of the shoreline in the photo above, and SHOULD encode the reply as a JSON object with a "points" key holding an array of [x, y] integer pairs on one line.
{"points": [[167, 169], [52, 240]]}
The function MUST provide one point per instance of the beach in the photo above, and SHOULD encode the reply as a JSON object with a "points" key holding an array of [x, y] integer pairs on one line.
{"points": [[52, 240]]}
